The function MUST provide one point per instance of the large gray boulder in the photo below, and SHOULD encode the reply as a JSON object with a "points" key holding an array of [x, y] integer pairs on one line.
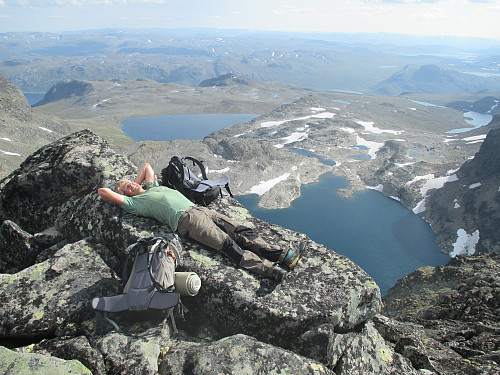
{"points": [[244, 355], [46, 296], [366, 352], [73, 166], [12, 362]]}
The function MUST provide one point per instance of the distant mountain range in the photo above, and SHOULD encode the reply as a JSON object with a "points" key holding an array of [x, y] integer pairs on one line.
{"points": [[349, 62], [433, 79]]}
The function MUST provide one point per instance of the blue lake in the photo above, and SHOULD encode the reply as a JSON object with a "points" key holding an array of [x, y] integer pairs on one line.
{"points": [[378, 233], [320, 158], [475, 119], [33, 98], [167, 128]]}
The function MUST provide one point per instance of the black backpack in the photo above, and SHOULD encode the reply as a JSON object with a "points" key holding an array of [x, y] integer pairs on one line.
{"points": [[151, 284], [178, 176]]}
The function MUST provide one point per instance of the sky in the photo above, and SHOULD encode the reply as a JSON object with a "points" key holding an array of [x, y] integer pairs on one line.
{"points": [[476, 18]]}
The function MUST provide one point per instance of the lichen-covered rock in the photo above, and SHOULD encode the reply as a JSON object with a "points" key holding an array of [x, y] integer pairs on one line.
{"points": [[244, 355], [131, 354], [16, 248], [412, 341], [19, 249], [12, 362], [73, 348], [32, 195], [40, 299], [343, 294], [364, 351], [458, 304], [324, 288]]}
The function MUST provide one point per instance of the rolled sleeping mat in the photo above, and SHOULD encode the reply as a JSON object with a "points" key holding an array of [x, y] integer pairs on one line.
{"points": [[187, 283]]}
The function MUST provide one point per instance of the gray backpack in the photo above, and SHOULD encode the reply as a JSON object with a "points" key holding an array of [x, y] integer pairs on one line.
{"points": [[151, 281]]}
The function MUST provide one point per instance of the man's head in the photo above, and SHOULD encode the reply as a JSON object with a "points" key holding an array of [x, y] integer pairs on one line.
{"points": [[128, 188]]}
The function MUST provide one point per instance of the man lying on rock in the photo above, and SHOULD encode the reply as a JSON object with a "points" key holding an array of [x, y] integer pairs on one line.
{"points": [[201, 224]]}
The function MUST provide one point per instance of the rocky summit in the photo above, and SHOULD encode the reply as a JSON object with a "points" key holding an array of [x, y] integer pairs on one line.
{"points": [[61, 245]]}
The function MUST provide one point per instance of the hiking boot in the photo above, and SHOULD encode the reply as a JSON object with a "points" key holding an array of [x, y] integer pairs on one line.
{"points": [[294, 255], [278, 273]]}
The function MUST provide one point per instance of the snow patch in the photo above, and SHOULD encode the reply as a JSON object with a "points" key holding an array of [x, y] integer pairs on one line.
{"points": [[368, 125], [349, 130], [430, 183], [465, 243], [224, 170], [264, 186], [268, 124], [373, 147], [9, 153], [100, 103], [6, 139], [401, 165], [323, 115], [476, 185], [292, 138], [379, 187], [475, 139], [45, 129]]}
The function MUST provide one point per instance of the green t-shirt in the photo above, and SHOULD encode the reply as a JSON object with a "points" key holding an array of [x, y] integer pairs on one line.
{"points": [[159, 202]]}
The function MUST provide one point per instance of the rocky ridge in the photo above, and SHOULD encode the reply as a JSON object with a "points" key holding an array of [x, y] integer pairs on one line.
{"points": [[22, 130], [466, 211], [488, 104], [74, 245], [457, 305], [434, 79]]}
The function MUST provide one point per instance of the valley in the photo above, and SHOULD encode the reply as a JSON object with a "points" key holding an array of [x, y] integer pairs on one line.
{"points": [[392, 144]]}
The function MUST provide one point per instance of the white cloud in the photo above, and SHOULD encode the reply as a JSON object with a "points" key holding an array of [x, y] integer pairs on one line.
{"points": [[432, 16], [418, 17], [295, 11], [26, 3]]}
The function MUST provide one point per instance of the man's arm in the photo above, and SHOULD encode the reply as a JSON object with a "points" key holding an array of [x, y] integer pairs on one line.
{"points": [[146, 173], [109, 195]]}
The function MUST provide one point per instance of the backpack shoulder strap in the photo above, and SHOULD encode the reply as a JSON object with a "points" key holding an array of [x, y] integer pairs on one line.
{"points": [[199, 164], [131, 252], [228, 190]]}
